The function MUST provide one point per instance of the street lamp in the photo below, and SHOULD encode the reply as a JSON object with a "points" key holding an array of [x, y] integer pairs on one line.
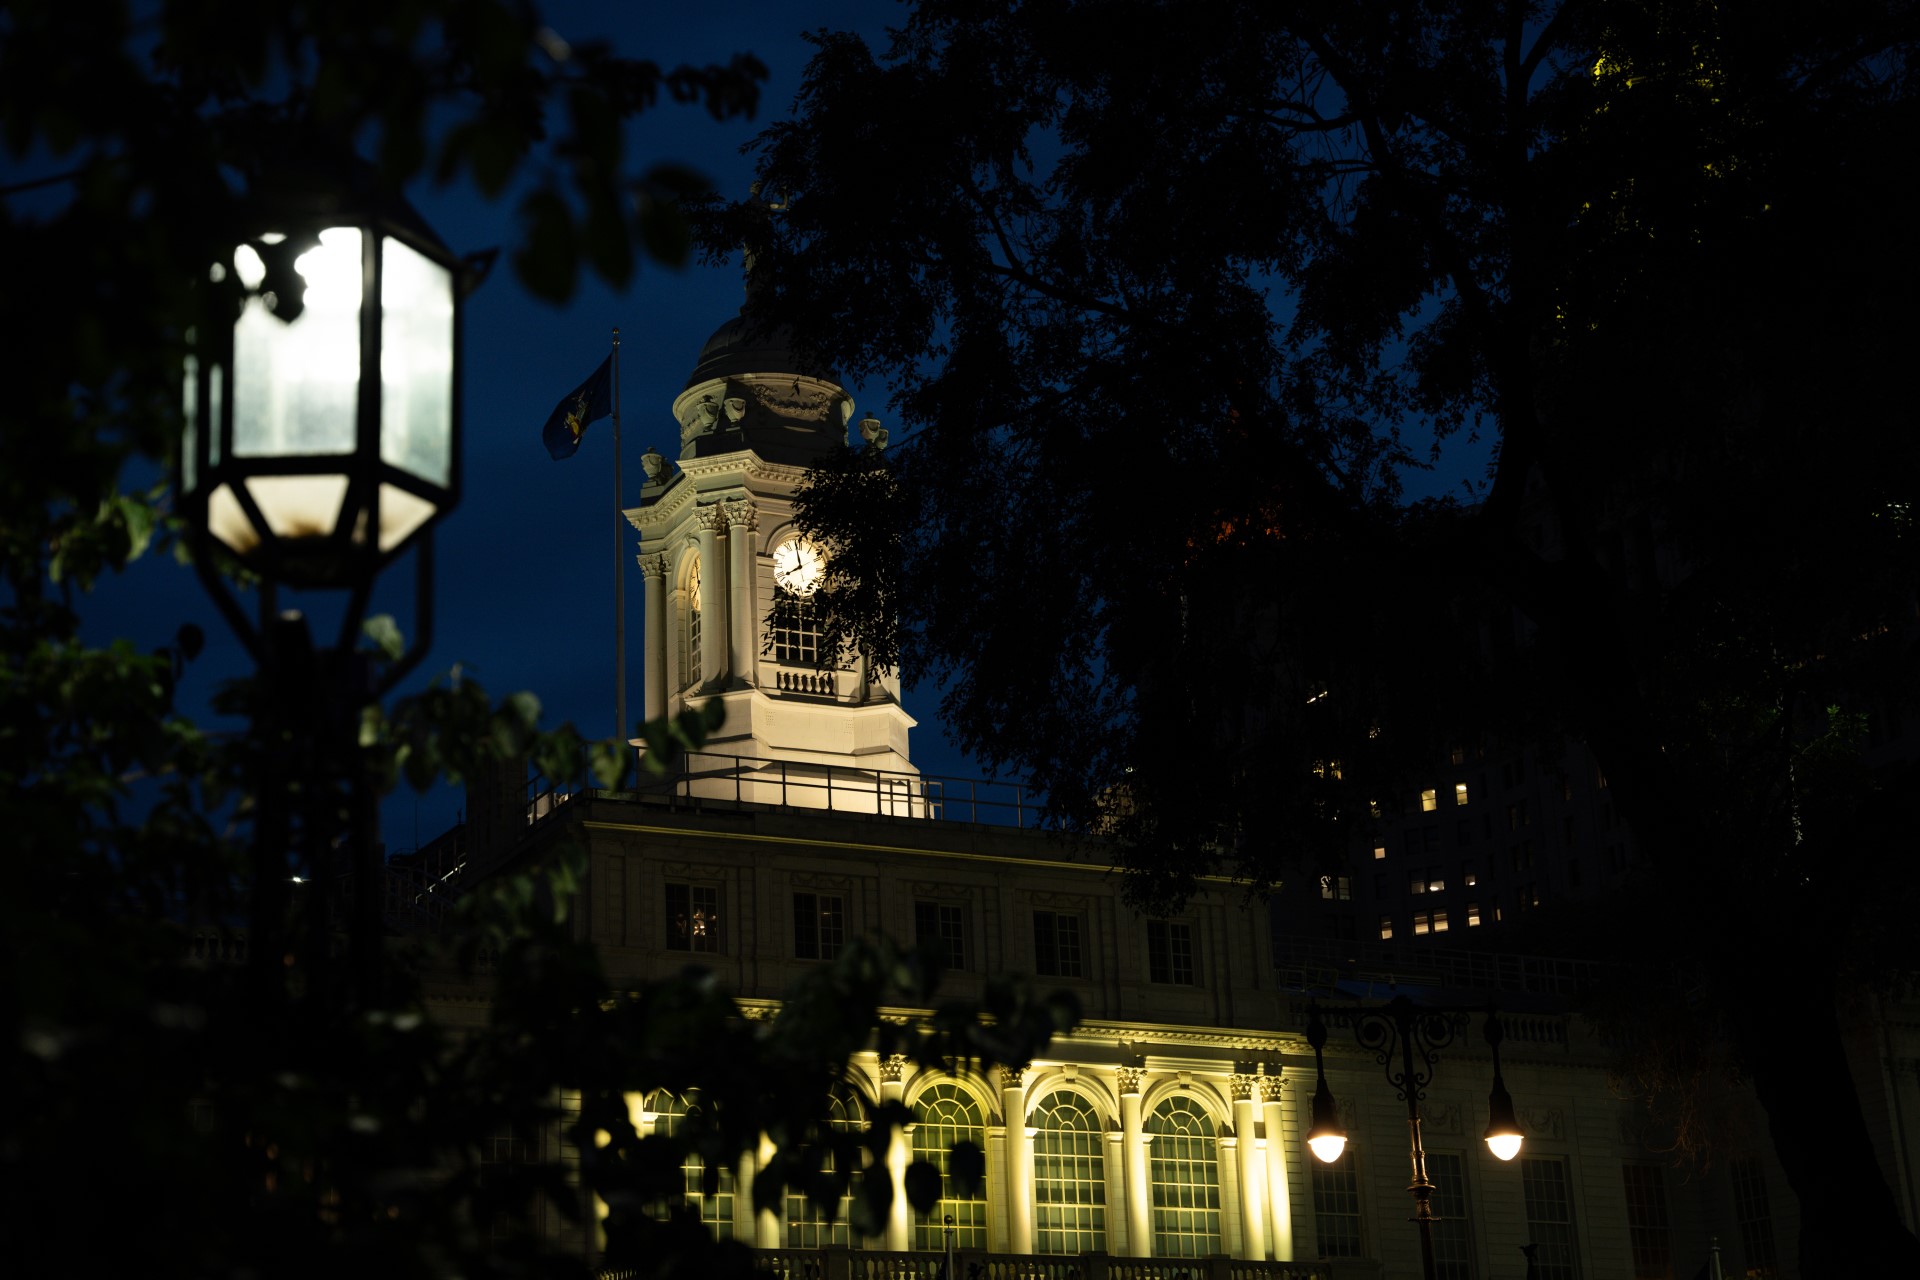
{"points": [[1396, 1034], [322, 387], [321, 441]]}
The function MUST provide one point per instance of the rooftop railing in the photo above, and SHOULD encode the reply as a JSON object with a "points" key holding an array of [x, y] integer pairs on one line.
{"points": [[707, 780]]}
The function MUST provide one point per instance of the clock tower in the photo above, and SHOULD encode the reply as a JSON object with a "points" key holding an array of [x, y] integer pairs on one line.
{"points": [[718, 547]]}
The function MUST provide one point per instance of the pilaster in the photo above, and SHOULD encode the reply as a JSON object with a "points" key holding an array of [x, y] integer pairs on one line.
{"points": [[1253, 1235], [1279, 1200], [1139, 1204], [742, 520], [1019, 1179]]}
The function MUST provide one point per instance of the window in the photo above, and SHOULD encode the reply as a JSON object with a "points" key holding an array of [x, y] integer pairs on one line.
{"points": [[1422, 924], [1379, 852], [1458, 755], [1336, 888], [1429, 800], [693, 918], [1439, 922], [1170, 952], [795, 629], [1759, 1258], [807, 1224], [1386, 928], [1648, 1232], [1069, 1176], [1336, 1207], [1473, 915], [671, 1115], [1184, 1172], [1550, 1217], [516, 1144], [1517, 816], [1416, 882], [1452, 1248], [1436, 880], [942, 926], [1459, 793], [946, 1115], [1463, 831], [692, 663], [1522, 855], [1514, 772], [1380, 884], [819, 925], [1566, 830], [1056, 945], [1468, 876]]}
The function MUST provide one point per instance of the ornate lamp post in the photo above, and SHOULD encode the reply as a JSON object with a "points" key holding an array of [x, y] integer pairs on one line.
{"points": [[321, 441], [1406, 1039]]}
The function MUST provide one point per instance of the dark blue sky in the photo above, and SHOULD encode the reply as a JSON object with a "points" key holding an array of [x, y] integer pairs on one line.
{"points": [[526, 564]]}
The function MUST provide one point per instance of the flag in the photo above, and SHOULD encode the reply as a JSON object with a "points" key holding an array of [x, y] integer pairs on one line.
{"points": [[589, 402]]}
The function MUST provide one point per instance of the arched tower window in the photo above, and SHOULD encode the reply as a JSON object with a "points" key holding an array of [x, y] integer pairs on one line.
{"points": [[807, 1225], [692, 665], [1069, 1176], [1184, 1170], [946, 1115], [671, 1113]]}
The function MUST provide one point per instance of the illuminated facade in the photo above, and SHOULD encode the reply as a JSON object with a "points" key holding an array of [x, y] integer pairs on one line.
{"points": [[1171, 1125]]}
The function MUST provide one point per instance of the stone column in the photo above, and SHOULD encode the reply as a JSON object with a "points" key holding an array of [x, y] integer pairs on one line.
{"points": [[1253, 1235], [1279, 1200], [768, 1229], [999, 1204], [659, 636], [1119, 1227], [713, 600], [899, 1225], [1139, 1189], [741, 522], [1019, 1162]]}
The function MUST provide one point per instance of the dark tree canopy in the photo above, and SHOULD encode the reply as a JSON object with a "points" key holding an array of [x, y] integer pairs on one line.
{"points": [[1170, 297], [176, 1114]]}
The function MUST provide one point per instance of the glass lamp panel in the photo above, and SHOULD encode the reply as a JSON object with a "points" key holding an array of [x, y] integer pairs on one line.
{"points": [[400, 514], [416, 364], [296, 386], [227, 521], [299, 506]]}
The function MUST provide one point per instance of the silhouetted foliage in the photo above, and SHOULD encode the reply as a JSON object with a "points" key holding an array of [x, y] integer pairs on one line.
{"points": [[1170, 297], [182, 1097]]}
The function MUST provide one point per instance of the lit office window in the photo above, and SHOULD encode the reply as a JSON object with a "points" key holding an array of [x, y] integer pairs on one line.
{"points": [[1386, 928], [1421, 923], [1473, 915], [1459, 793], [1429, 800], [693, 918], [1439, 922], [1379, 852]]}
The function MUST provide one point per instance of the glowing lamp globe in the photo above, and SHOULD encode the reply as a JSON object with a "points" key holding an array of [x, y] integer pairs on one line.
{"points": [[321, 394], [1325, 1138], [1503, 1132]]}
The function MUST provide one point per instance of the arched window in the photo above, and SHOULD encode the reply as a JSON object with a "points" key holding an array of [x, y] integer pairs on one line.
{"points": [[670, 1112], [946, 1115], [692, 664], [1069, 1176], [1184, 1171], [807, 1225]]}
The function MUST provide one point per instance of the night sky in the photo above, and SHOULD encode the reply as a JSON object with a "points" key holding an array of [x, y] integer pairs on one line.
{"points": [[526, 564]]}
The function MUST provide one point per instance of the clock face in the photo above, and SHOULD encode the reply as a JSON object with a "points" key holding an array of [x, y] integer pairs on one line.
{"points": [[797, 566]]}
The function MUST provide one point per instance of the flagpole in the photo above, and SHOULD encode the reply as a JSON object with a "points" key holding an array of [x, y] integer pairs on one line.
{"points": [[622, 729]]}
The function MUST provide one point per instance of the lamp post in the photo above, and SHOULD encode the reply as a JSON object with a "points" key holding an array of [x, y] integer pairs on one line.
{"points": [[1407, 1039], [321, 442]]}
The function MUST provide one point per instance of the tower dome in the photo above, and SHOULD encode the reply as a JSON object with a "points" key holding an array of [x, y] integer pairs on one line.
{"points": [[750, 391]]}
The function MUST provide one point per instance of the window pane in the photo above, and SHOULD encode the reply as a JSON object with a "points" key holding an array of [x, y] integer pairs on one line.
{"points": [[1647, 1228], [1069, 1176], [1452, 1247], [672, 1113], [1185, 1177], [1550, 1218], [1336, 1207], [946, 1115]]}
